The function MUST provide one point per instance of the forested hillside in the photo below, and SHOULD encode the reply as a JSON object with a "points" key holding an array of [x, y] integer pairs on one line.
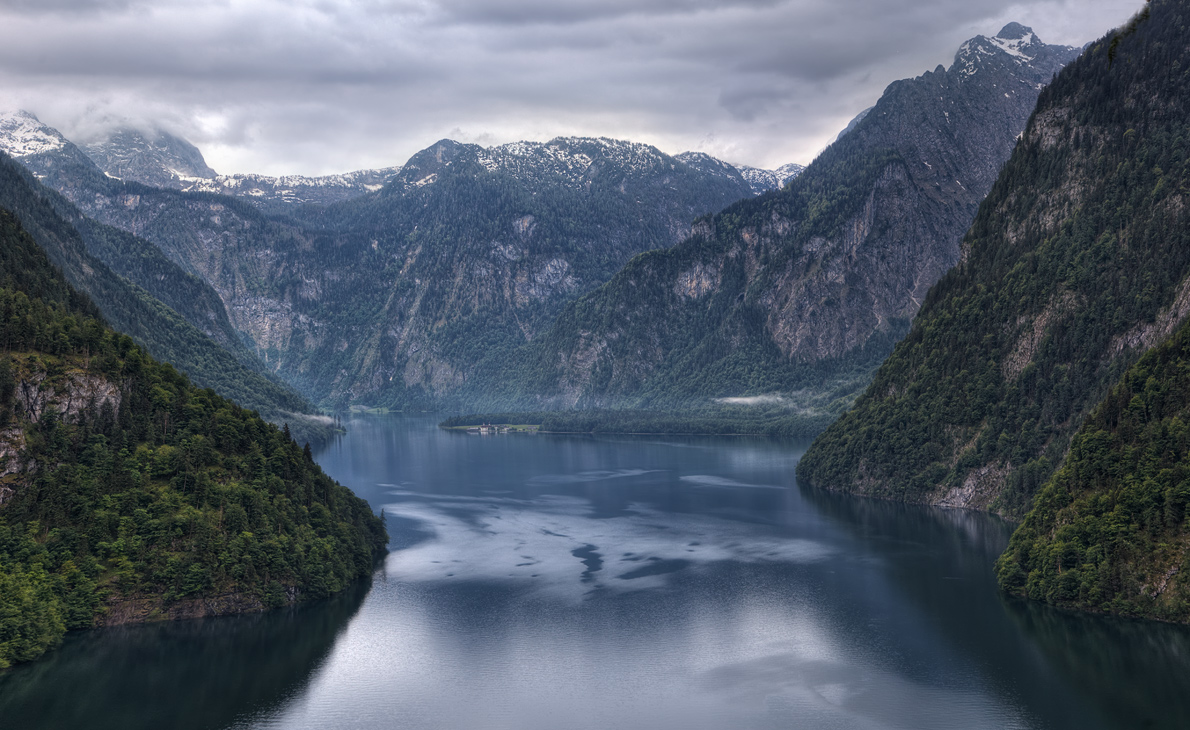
{"points": [[154, 325], [1108, 532], [1076, 264], [127, 494], [796, 296], [133, 258]]}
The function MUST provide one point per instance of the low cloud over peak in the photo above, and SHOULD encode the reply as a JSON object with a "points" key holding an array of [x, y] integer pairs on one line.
{"points": [[315, 86]]}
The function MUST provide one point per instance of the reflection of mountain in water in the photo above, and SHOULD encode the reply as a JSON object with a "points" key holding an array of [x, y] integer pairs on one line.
{"points": [[1097, 651], [975, 536], [130, 678]]}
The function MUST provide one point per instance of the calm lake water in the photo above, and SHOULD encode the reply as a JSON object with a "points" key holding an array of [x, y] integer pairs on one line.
{"points": [[617, 583]]}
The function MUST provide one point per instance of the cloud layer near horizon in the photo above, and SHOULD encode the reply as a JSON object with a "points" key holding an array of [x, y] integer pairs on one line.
{"points": [[318, 86]]}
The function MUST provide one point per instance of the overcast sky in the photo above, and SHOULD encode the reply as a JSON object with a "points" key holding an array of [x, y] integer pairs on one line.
{"points": [[321, 86]]}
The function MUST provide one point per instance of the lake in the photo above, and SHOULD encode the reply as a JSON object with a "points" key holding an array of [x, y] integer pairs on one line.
{"points": [[549, 581]]}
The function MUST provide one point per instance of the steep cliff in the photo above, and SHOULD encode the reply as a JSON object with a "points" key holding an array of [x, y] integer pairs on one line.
{"points": [[1076, 264], [55, 224], [128, 494], [799, 294]]}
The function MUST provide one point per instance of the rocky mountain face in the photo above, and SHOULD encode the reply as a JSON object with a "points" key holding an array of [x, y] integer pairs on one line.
{"points": [[153, 158], [1078, 262], [477, 249], [399, 295], [39, 147], [73, 243], [764, 180], [801, 292]]}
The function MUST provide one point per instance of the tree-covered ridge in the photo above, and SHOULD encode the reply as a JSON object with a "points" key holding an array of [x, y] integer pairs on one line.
{"points": [[126, 493], [1108, 531], [131, 257], [1077, 261], [55, 224], [801, 291]]}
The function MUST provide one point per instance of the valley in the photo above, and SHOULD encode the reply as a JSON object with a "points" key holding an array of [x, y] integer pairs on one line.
{"points": [[582, 432]]}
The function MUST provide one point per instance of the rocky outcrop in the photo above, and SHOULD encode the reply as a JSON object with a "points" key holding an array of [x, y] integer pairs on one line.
{"points": [[69, 396], [13, 463], [143, 609]]}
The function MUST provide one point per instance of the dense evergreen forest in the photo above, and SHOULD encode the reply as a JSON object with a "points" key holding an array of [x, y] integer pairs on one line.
{"points": [[57, 226], [127, 493], [1109, 531], [1077, 263]]}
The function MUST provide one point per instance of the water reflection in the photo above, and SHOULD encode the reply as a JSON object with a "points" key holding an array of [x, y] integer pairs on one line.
{"points": [[187, 675], [1137, 671]]}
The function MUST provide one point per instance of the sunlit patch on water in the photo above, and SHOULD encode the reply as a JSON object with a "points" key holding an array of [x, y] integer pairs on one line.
{"points": [[548, 543]]}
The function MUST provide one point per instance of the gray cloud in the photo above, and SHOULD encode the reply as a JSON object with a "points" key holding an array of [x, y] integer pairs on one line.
{"points": [[43, 7], [318, 86], [563, 12]]}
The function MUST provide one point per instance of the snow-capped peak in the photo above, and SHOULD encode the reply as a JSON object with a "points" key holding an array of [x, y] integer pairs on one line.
{"points": [[22, 135], [1018, 47], [763, 180], [1017, 42]]}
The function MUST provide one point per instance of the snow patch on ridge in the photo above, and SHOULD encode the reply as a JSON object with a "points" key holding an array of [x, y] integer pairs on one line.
{"points": [[22, 135]]}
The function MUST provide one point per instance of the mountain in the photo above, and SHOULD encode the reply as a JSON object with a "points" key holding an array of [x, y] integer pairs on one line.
{"points": [[1077, 263], [279, 194], [153, 158], [163, 160], [763, 180], [760, 180], [57, 227], [797, 295], [136, 259], [127, 494], [39, 147], [853, 123], [160, 159], [396, 297]]}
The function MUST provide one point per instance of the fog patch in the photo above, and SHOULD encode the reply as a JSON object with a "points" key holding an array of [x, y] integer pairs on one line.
{"points": [[771, 399]]}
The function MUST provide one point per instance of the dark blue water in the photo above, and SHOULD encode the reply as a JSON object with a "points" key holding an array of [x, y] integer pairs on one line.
{"points": [[571, 582]]}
